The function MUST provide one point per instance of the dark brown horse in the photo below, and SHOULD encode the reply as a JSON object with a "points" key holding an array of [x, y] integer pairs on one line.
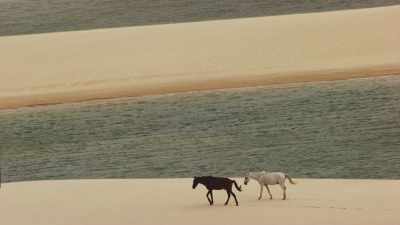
{"points": [[217, 183]]}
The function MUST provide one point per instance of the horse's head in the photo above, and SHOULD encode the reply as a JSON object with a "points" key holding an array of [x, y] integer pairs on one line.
{"points": [[195, 182], [246, 179]]}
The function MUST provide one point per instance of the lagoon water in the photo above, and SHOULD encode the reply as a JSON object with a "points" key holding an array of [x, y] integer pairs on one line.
{"points": [[340, 129]]}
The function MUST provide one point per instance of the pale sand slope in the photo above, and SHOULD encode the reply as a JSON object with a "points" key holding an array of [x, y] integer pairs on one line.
{"points": [[172, 201], [83, 65]]}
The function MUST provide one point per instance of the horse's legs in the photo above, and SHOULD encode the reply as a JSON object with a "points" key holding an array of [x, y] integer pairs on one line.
{"points": [[212, 197], [209, 200], [229, 195], [283, 186], [261, 191], [269, 192], [234, 196]]}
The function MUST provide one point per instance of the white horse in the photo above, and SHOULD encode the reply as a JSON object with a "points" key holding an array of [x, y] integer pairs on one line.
{"points": [[265, 179]]}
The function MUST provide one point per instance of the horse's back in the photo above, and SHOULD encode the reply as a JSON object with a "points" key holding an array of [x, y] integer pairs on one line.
{"points": [[219, 182], [277, 174], [224, 180], [273, 177]]}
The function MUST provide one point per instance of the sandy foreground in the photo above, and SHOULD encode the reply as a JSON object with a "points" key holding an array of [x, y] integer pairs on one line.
{"points": [[108, 63], [172, 201]]}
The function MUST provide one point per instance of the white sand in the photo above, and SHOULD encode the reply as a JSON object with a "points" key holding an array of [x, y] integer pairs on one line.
{"points": [[108, 63], [172, 201]]}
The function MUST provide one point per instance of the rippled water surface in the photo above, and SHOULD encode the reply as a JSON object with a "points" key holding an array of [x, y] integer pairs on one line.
{"points": [[341, 129]]}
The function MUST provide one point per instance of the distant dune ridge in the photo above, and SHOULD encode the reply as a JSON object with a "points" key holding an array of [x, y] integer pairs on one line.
{"points": [[27, 16], [109, 63]]}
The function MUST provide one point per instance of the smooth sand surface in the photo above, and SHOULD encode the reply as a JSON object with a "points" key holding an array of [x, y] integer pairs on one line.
{"points": [[108, 63], [172, 201]]}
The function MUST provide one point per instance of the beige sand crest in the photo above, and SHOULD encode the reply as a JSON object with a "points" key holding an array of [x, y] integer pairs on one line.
{"points": [[172, 201], [134, 61]]}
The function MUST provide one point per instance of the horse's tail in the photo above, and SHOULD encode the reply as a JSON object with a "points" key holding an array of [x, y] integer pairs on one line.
{"points": [[290, 179], [239, 188]]}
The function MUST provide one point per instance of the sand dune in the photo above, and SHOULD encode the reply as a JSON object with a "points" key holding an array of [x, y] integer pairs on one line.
{"points": [[172, 201], [84, 65]]}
